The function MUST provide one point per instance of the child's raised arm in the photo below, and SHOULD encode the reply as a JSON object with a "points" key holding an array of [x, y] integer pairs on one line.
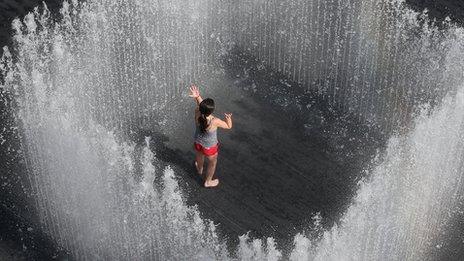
{"points": [[227, 124], [195, 93]]}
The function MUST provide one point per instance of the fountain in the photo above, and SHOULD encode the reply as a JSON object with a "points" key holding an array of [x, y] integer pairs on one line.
{"points": [[79, 88]]}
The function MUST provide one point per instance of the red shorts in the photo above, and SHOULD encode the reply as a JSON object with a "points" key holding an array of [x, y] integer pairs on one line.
{"points": [[206, 151]]}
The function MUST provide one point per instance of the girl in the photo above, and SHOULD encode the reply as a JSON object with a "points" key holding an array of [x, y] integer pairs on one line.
{"points": [[206, 142]]}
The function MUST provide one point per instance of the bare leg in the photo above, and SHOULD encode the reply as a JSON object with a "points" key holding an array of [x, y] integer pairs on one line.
{"points": [[199, 162], [210, 182]]}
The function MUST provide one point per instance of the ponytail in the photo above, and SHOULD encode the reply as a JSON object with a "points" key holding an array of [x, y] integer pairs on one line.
{"points": [[206, 107], [203, 123]]}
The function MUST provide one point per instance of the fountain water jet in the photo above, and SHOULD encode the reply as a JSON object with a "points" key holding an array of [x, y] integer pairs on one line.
{"points": [[108, 64]]}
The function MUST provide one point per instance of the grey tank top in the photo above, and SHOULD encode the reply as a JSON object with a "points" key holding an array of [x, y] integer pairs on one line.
{"points": [[207, 139]]}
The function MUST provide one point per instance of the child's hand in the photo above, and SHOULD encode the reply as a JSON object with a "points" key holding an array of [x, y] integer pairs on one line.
{"points": [[194, 92], [228, 120]]}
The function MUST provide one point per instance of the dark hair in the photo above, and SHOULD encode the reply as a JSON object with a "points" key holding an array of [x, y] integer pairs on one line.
{"points": [[206, 108]]}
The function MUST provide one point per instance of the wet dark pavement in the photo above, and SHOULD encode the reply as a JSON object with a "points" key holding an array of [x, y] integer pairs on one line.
{"points": [[280, 165]]}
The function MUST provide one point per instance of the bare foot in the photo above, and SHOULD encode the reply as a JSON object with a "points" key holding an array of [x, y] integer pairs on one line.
{"points": [[212, 183], [199, 171]]}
